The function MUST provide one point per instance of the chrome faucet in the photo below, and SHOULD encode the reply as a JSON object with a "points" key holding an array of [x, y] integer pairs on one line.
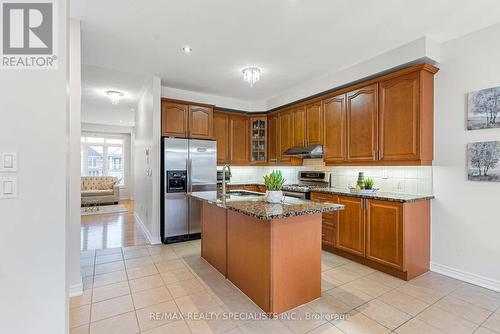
{"points": [[224, 178]]}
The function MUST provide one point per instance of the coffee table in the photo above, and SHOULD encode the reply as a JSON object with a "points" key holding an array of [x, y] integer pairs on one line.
{"points": [[91, 204]]}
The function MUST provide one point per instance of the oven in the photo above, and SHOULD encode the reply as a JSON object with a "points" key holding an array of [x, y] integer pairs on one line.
{"points": [[296, 194]]}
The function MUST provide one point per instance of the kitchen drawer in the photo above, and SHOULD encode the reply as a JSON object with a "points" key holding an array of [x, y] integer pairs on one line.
{"points": [[261, 189], [331, 215], [328, 236], [331, 222], [320, 197]]}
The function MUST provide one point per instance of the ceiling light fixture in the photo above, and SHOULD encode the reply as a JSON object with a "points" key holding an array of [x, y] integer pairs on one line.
{"points": [[187, 49], [114, 96], [251, 75]]}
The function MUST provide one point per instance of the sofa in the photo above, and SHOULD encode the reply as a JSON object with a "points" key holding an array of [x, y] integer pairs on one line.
{"points": [[102, 188]]}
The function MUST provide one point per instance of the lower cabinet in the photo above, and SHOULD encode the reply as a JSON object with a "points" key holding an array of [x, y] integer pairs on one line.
{"points": [[328, 232], [393, 237], [330, 219], [261, 188], [351, 230], [384, 232], [256, 188]]}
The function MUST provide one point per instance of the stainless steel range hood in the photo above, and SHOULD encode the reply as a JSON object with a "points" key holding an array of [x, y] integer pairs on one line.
{"points": [[305, 152]]}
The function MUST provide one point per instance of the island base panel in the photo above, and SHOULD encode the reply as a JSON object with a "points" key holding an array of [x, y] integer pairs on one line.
{"points": [[249, 257], [213, 241], [277, 263], [296, 261]]}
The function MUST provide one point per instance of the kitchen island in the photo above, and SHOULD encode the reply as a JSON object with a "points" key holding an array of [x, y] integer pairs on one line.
{"points": [[271, 252]]}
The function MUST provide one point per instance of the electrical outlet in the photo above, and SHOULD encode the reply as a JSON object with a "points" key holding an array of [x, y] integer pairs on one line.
{"points": [[385, 174]]}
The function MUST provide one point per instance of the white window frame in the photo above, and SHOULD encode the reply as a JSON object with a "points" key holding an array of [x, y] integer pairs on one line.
{"points": [[85, 146]]}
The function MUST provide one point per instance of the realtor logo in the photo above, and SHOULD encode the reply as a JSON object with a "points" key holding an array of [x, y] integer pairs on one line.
{"points": [[28, 36]]}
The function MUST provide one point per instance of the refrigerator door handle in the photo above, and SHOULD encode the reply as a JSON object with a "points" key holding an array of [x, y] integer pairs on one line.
{"points": [[189, 183]]}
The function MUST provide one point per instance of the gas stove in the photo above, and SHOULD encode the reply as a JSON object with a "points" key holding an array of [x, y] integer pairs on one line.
{"points": [[307, 182]]}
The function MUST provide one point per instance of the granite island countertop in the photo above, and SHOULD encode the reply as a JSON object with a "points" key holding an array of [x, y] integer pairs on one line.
{"points": [[381, 195], [257, 207]]}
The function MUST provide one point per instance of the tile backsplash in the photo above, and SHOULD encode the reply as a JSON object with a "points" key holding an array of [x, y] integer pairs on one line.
{"points": [[410, 180]]}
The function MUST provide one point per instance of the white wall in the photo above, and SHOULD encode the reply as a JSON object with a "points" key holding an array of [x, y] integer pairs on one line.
{"points": [[465, 223], [422, 48], [33, 122], [147, 171], [75, 82], [219, 101], [108, 115]]}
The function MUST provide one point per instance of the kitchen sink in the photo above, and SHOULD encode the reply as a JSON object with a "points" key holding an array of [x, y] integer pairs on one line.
{"points": [[237, 193]]}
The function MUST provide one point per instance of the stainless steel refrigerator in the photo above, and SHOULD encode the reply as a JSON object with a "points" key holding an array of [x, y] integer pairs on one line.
{"points": [[188, 165]]}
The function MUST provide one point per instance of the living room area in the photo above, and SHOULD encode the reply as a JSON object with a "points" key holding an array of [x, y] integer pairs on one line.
{"points": [[107, 160]]}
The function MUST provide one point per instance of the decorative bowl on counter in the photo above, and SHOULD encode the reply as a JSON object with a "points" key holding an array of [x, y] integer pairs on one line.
{"points": [[353, 190]]}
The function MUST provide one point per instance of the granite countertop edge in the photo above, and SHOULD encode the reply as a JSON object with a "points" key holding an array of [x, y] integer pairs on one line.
{"points": [[385, 196], [217, 201], [242, 184]]}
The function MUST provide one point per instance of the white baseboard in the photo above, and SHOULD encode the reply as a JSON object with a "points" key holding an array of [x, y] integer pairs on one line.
{"points": [[76, 289], [151, 239], [479, 280]]}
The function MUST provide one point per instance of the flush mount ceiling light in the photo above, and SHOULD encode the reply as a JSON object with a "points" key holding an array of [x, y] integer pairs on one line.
{"points": [[114, 96], [251, 75], [187, 49]]}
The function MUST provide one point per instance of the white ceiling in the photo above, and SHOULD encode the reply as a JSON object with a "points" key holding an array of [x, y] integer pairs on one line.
{"points": [[96, 107], [291, 40]]}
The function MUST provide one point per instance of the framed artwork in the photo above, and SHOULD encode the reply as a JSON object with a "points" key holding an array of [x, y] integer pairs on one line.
{"points": [[483, 109], [483, 161]]}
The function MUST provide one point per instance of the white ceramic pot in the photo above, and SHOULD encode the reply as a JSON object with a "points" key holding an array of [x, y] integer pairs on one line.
{"points": [[274, 196]]}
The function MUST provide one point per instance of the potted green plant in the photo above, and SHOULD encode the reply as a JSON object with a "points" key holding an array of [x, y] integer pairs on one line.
{"points": [[274, 183], [368, 183]]}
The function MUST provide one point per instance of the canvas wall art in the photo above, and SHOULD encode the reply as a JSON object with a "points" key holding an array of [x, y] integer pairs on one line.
{"points": [[483, 109], [484, 160]]}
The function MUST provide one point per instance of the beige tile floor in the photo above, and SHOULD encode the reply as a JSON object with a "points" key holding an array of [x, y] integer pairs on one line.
{"points": [[160, 289]]}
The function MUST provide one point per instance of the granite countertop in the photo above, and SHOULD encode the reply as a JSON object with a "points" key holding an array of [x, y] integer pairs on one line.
{"points": [[257, 207], [386, 196], [236, 184]]}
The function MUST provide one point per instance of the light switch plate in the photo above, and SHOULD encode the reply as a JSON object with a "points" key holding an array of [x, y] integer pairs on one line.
{"points": [[8, 187], [8, 161]]}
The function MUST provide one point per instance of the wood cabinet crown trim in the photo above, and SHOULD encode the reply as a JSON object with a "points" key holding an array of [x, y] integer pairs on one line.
{"points": [[206, 105]]}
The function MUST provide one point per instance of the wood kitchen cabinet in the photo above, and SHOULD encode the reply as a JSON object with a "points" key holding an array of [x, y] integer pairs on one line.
{"points": [[335, 128], [239, 139], [384, 232], [406, 118], [221, 135], [285, 120], [273, 136], [307, 125], [185, 120], [258, 140], [350, 228], [314, 124], [174, 119], [393, 237], [299, 127], [329, 219], [384, 121], [200, 122], [362, 124]]}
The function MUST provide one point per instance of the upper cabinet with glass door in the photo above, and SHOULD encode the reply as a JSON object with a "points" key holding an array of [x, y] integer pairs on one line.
{"points": [[259, 139]]}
